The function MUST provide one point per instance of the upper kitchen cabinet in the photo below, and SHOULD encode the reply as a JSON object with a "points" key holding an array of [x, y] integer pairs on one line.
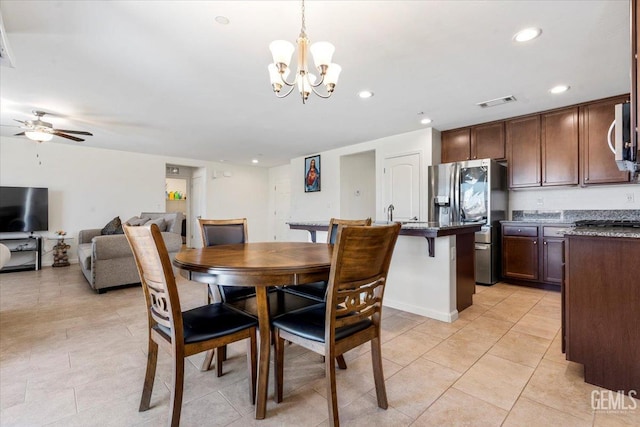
{"points": [[598, 163], [456, 145], [484, 141], [542, 150], [559, 142], [523, 151], [487, 141]]}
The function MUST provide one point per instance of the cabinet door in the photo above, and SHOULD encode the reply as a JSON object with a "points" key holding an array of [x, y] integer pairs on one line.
{"points": [[456, 145], [560, 147], [523, 151], [552, 260], [520, 257], [487, 141], [598, 162]]}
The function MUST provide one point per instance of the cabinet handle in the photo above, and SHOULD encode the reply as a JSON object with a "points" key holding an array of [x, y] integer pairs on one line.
{"points": [[535, 242], [544, 243], [519, 230]]}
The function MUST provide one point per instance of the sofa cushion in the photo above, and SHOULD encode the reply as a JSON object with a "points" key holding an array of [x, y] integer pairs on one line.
{"points": [[173, 219], [113, 227], [84, 255], [136, 221], [160, 222]]}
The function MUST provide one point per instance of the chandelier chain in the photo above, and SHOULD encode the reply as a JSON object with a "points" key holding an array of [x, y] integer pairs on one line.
{"points": [[304, 24]]}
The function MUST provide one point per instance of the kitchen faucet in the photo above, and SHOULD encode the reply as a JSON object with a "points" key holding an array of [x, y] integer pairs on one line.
{"points": [[390, 213]]}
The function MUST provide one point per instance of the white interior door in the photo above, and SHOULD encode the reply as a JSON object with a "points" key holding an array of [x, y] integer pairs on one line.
{"points": [[402, 186], [197, 210]]}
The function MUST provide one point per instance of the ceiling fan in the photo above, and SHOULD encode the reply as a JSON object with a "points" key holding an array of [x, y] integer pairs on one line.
{"points": [[41, 131]]}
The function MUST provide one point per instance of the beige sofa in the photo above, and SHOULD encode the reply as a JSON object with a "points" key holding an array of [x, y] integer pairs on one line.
{"points": [[107, 261]]}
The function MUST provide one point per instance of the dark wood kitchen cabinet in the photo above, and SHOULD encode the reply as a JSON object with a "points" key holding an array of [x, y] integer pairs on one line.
{"points": [[559, 142], [523, 151], [601, 297], [456, 145], [533, 252], [598, 164], [542, 150], [553, 254], [520, 252], [486, 141]]}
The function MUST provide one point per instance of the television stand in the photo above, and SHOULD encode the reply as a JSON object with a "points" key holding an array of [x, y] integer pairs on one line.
{"points": [[26, 253]]}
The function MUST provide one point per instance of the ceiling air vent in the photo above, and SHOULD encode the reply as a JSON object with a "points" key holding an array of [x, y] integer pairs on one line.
{"points": [[173, 170], [497, 101]]}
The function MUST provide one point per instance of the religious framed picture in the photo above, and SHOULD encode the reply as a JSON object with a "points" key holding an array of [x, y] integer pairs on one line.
{"points": [[312, 174]]}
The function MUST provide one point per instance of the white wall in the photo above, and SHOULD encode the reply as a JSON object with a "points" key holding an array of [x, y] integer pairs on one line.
{"points": [[322, 205], [90, 186]]}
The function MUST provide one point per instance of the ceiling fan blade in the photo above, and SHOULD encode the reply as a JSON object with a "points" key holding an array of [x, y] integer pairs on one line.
{"points": [[11, 126], [19, 134], [73, 138], [21, 121], [77, 132]]}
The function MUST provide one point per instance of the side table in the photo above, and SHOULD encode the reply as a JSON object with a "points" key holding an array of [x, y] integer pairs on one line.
{"points": [[60, 257]]}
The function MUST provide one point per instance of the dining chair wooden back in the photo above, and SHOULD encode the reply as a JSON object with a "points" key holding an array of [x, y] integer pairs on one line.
{"points": [[351, 314], [318, 290], [182, 334], [226, 232]]}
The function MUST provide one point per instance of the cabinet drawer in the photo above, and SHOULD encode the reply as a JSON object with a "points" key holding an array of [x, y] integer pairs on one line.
{"points": [[514, 230], [555, 231]]}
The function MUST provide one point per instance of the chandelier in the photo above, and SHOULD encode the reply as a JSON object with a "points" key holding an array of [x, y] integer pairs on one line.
{"points": [[322, 52]]}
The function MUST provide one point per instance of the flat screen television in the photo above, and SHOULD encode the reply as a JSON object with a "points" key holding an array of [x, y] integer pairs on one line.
{"points": [[24, 209]]}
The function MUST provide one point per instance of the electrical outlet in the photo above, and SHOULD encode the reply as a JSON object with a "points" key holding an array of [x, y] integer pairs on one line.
{"points": [[540, 201], [630, 198]]}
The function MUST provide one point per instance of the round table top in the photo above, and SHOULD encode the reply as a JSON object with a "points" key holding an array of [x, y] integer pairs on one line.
{"points": [[257, 258]]}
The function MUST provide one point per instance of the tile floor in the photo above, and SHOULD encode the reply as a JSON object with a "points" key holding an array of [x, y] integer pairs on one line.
{"points": [[71, 357]]}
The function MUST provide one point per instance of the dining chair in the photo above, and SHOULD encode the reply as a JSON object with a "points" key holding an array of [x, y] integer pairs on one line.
{"points": [[233, 231], [318, 290], [351, 314], [181, 334]]}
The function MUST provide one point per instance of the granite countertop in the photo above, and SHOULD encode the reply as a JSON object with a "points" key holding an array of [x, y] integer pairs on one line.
{"points": [[628, 232], [539, 221], [409, 225]]}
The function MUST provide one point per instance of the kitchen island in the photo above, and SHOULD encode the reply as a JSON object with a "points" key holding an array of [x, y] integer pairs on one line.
{"points": [[600, 300], [433, 276]]}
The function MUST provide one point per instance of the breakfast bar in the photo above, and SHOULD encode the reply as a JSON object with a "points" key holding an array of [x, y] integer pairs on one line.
{"points": [[432, 277]]}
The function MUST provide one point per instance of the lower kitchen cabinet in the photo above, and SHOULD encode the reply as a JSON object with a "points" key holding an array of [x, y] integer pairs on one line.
{"points": [[533, 252]]}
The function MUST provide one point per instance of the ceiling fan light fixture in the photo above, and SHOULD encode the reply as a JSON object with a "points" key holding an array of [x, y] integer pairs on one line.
{"points": [[39, 136]]}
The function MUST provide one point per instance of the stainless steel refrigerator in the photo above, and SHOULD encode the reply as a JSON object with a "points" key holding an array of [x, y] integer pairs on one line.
{"points": [[472, 191]]}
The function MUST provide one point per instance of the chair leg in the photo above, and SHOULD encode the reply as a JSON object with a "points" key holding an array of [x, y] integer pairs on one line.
{"points": [[378, 376], [219, 359], [332, 395], [147, 389], [224, 352], [206, 364], [175, 404], [279, 365], [252, 360], [341, 362]]}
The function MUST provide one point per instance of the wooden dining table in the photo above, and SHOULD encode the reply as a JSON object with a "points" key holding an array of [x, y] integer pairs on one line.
{"points": [[260, 265]]}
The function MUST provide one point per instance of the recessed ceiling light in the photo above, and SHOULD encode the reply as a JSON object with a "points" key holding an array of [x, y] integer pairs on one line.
{"points": [[222, 20], [254, 161], [527, 34], [559, 89], [425, 121], [365, 94]]}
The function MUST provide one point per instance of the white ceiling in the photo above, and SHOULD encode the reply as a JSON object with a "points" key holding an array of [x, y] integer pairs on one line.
{"points": [[163, 77]]}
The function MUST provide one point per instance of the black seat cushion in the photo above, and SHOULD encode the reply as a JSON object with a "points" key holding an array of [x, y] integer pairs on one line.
{"points": [[280, 303], [309, 324], [315, 290], [232, 293], [211, 321]]}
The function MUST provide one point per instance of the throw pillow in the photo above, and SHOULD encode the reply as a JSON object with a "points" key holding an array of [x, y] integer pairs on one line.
{"points": [[162, 225], [136, 221], [113, 227]]}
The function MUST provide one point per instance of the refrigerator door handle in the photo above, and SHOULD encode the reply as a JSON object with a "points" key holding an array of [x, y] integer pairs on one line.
{"points": [[456, 214]]}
